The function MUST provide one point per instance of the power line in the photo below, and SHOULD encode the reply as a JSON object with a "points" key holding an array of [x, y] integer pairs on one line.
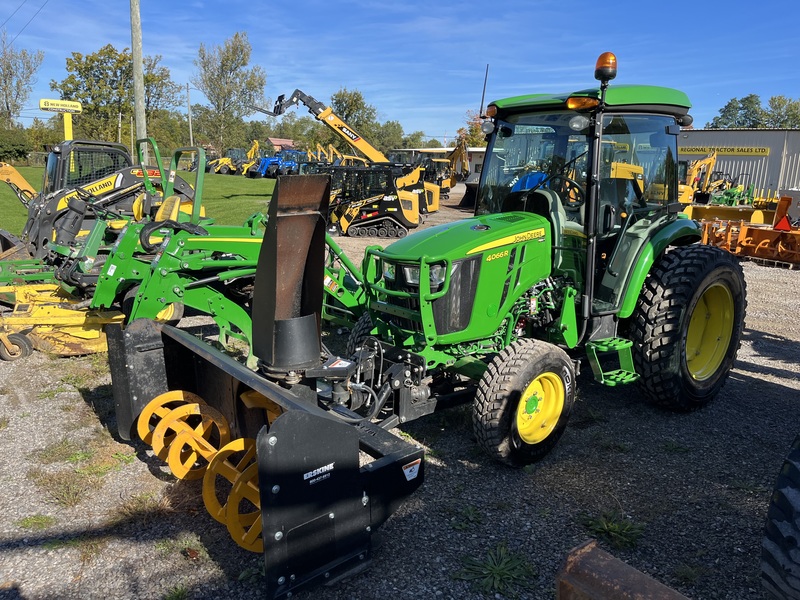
{"points": [[12, 14], [29, 20]]}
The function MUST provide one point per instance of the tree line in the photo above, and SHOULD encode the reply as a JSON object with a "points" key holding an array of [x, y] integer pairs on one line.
{"points": [[780, 113], [103, 83]]}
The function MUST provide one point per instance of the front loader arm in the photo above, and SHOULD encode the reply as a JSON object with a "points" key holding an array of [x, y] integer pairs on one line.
{"points": [[23, 190]]}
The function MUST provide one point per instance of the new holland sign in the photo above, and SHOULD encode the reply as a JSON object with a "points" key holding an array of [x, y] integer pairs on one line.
{"points": [[61, 106]]}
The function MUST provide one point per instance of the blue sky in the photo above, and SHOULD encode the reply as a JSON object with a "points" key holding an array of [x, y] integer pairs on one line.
{"points": [[423, 63]]}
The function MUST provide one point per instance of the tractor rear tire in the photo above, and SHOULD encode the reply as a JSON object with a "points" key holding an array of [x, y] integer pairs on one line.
{"points": [[22, 347], [687, 326], [523, 402], [780, 547]]}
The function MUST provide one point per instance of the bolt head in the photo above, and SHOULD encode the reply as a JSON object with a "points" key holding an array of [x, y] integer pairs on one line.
{"points": [[278, 536], [272, 440], [276, 488]]}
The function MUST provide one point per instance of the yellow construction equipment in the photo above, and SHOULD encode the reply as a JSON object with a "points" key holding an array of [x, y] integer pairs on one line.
{"points": [[426, 193], [52, 321]]}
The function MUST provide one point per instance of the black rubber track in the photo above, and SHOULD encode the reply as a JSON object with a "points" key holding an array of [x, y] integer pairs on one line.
{"points": [[500, 389], [780, 548], [661, 319]]}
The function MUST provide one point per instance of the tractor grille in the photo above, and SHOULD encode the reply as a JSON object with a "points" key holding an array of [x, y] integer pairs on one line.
{"points": [[451, 312]]}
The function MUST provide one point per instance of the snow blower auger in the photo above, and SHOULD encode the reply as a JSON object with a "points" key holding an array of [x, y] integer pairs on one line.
{"points": [[280, 456]]}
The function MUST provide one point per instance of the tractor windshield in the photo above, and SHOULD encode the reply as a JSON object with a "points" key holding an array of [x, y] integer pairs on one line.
{"points": [[534, 151]]}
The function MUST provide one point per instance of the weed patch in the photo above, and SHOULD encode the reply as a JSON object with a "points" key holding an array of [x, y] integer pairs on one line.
{"points": [[614, 528], [66, 488], [36, 522], [500, 571]]}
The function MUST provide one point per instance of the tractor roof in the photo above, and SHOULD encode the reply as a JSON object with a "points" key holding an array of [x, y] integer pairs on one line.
{"points": [[633, 97]]}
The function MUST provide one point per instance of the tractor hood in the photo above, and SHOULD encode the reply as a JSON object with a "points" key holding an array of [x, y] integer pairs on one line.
{"points": [[471, 236]]}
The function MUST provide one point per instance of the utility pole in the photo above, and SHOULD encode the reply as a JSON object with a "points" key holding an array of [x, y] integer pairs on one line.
{"points": [[189, 112], [138, 73]]}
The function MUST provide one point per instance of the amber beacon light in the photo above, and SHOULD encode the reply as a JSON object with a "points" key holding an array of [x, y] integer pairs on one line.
{"points": [[605, 69]]}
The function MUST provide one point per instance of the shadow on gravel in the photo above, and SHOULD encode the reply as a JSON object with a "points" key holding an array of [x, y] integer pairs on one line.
{"points": [[774, 346]]}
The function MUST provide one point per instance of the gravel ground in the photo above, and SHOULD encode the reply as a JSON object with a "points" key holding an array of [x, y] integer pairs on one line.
{"points": [[86, 515]]}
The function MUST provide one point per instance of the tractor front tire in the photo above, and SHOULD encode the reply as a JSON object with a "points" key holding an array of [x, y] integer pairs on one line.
{"points": [[224, 170], [21, 347], [687, 326], [359, 333], [523, 402], [171, 314], [780, 547]]}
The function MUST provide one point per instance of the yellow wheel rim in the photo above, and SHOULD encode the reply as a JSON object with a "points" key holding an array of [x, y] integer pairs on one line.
{"points": [[539, 408], [710, 330], [166, 314]]}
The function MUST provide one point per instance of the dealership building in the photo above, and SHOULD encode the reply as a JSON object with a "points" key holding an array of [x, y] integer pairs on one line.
{"points": [[767, 158]]}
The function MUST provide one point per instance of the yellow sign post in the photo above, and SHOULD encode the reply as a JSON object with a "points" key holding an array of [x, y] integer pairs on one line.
{"points": [[65, 107]]}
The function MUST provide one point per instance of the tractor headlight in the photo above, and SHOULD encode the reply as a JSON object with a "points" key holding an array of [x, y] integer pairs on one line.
{"points": [[389, 272], [411, 275], [437, 275]]}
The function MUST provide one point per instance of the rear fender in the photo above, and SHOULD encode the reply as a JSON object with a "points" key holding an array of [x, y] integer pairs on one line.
{"points": [[680, 232]]}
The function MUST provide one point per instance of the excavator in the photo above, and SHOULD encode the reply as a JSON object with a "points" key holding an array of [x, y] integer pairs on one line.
{"points": [[451, 169], [390, 214]]}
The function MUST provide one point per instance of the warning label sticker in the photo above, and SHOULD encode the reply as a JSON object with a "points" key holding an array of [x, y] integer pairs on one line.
{"points": [[411, 470]]}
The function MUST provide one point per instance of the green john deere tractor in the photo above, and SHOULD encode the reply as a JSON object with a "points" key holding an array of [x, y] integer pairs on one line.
{"points": [[577, 250]]}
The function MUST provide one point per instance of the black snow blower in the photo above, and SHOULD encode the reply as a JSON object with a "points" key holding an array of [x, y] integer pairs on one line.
{"points": [[289, 471]]}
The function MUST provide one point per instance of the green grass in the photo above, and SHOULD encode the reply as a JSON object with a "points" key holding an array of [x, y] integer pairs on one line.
{"points": [[229, 199], [12, 214], [36, 522]]}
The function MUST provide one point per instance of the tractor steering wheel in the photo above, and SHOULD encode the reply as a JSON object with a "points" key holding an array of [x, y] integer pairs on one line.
{"points": [[569, 189]]}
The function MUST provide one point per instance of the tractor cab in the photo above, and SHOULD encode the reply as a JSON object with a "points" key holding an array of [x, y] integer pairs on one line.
{"points": [[603, 176]]}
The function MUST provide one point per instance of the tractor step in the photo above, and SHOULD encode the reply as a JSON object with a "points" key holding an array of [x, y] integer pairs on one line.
{"points": [[625, 373]]}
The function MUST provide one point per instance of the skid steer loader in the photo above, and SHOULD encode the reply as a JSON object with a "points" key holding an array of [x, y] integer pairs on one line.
{"points": [[49, 296], [577, 252]]}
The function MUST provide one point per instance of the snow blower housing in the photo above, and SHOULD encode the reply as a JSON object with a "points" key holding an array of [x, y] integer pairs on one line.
{"points": [[264, 434]]}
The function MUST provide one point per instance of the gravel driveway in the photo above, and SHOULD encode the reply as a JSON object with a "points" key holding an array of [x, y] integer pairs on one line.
{"points": [[85, 515]]}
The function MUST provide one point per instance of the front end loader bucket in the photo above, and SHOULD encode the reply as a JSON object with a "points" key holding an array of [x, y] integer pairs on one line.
{"points": [[322, 480]]}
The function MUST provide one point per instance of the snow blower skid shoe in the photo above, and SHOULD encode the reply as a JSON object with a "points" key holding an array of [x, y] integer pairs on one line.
{"points": [[290, 474]]}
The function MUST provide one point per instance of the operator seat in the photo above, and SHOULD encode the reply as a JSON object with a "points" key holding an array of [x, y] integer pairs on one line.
{"points": [[547, 203], [613, 192]]}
